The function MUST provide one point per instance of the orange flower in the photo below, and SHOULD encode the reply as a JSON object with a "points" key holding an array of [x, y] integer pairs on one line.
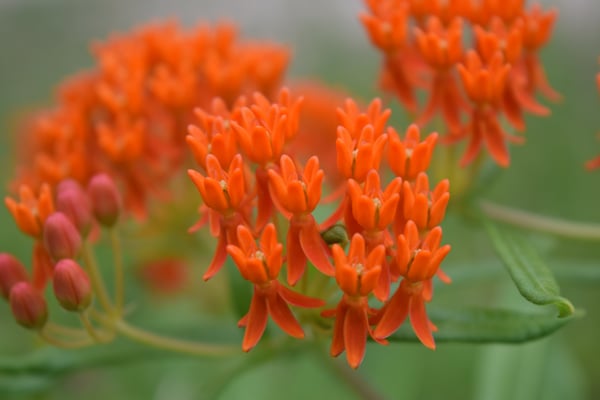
{"points": [[261, 265], [31, 211], [357, 275], [262, 129], [508, 39], [446, 11], [356, 156], [420, 205], [224, 193], [442, 49], [485, 85], [354, 120], [483, 11], [536, 32], [417, 261], [296, 196], [213, 135], [387, 26], [373, 208], [411, 156]]}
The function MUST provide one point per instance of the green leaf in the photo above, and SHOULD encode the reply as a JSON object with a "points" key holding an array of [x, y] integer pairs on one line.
{"points": [[528, 271], [485, 326]]}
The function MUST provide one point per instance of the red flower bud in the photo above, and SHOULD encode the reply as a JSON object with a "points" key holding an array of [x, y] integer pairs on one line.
{"points": [[28, 306], [71, 285], [61, 238], [11, 273], [74, 203], [105, 199]]}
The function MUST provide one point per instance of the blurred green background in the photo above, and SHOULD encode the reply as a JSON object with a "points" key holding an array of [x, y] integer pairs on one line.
{"points": [[43, 41]]}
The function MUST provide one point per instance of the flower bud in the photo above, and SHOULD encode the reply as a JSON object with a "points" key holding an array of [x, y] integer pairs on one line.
{"points": [[11, 273], [74, 203], [335, 234], [28, 306], [105, 199], [71, 285], [61, 238]]}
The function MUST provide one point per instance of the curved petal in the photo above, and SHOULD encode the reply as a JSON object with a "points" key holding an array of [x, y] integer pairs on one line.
{"points": [[420, 322], [311, 243], [394, 314], [218, 259], [299, 299], [283, 317], [356, 328], [256, 321]]}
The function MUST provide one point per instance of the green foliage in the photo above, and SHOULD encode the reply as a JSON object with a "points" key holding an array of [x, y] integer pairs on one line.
{"points": [[533, 278]]}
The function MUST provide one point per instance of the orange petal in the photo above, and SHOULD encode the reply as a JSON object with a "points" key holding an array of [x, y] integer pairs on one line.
{"points": [[283, 317], [256, 321], [394, 314], [337, 341], [299, 299], [219, 257], [296, 259], [356, 329], [420, 322], [314, 248]]}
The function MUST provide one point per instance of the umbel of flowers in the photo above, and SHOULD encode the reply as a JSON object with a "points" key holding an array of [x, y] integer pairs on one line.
{"points": [[265, 159]]}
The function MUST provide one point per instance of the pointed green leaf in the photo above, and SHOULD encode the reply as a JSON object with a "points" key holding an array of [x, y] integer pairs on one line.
{"points": [[528, 271], [485, 326]]}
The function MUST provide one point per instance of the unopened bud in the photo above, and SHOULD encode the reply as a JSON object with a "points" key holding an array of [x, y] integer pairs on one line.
{"points": [[61, 238], [28, 306], [105, 199], [335, 234], [72, 200], [71, 286], [11, 273]]}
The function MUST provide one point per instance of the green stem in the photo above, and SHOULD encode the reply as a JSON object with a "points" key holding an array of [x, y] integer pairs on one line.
{"points": [[61, 330], [118, 265], [96, 278], [541, 223], [166, 343], [99, 337], [70, 344]]}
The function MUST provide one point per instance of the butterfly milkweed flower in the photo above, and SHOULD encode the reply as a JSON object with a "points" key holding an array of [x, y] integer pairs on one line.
{"points": [[373, 211], [31, 212], [484, 85], [223, 193], [261, 265], [410, 156], [417, 261], [296, 194], [357, 275], [442, 49]]}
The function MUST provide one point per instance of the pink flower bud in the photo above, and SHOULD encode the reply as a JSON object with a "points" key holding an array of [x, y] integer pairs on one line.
{"points": [[28, 306], [105, 199], [71, 286], [61, 238], [74, 203], [11, 273]]}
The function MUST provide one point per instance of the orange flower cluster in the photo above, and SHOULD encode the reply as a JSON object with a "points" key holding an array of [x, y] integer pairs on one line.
{"points": [[128, 116], [262, 159], [469, 87], [249, 179]]}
